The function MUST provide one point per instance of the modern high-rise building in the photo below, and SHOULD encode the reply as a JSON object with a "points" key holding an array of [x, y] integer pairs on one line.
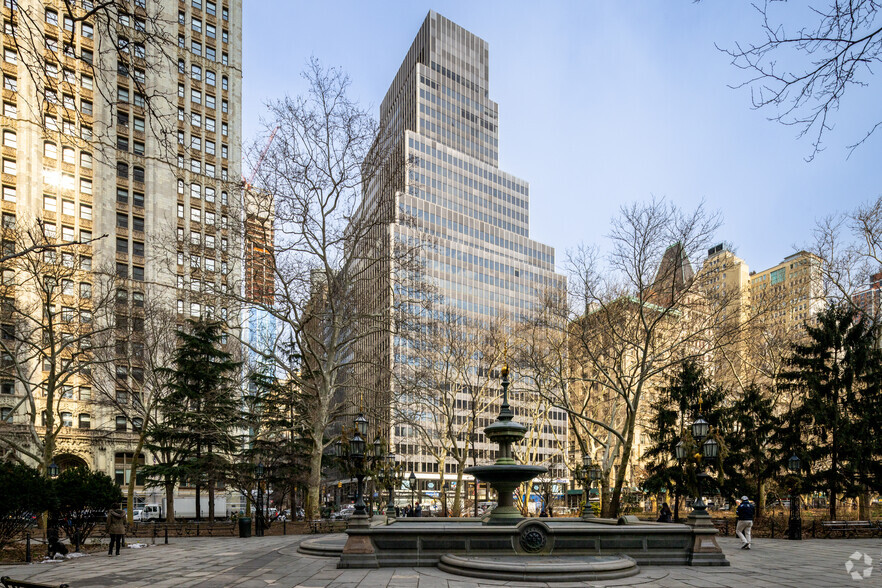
{"points": [[121, 149], [447, 191]]}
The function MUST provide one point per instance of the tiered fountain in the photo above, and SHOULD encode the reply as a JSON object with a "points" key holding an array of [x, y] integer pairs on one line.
{"points": [[508, 546]]}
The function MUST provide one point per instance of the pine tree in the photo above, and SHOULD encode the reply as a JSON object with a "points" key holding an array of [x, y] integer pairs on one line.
{"points": [[195, 437], [835, 381]]}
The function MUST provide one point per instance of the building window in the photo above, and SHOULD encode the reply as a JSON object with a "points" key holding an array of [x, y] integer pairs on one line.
{"points": [[138, 273], [138, 174], [7, 387], [85, 420], [66, 419]]}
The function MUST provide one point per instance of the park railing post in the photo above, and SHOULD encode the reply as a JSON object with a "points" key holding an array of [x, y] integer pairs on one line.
{"points": [[284, 527], [28, 548], [166, 534]]}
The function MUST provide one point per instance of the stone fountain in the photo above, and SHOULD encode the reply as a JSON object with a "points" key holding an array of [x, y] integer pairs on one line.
{"points": [[508, 546], [506, 474]]}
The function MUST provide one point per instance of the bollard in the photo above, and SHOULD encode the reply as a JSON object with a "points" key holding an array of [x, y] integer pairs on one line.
{"points": [[284, 527], [28, 548], [166, 534], [813, 529], [153, 542], [197, 529], [773, 527]]}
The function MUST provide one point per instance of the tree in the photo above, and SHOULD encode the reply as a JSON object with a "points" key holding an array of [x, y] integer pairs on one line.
{"points": [[56, 315], [639, 313], [850, 247], [753, 448], [199, 413], [25, 495], [803, 75], [836, 380], [131, 376], [450, 380], [80, 499], [323, 174], [688, 395]]}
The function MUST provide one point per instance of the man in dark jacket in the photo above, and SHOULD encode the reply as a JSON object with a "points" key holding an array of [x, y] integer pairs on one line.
{"points": [[116, 528], [744, 513]]}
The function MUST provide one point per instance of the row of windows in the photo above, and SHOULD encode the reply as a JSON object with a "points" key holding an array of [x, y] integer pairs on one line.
{"points": [[196, 75], [196, 98], [196, 192], [210, 8], [210, 217], [196, 121], [50, 204], [196, 240]]}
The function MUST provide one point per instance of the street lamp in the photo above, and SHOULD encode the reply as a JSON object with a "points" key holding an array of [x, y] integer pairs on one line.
{"points": [[590, 472], [412, 480], [709, 448], [53, 470], [794, 529], [355, 452]]}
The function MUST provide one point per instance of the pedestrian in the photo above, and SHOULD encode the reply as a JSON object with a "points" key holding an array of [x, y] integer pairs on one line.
{"points": [[744, 513], [665, 514], [116, 528], [418, 511]]}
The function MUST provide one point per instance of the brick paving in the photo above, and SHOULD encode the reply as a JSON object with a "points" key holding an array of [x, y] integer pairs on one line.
{"points": [[274, 562]]}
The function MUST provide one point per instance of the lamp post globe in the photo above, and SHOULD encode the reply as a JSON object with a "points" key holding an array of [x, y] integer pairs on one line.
{"points": [[412, 480], [700, 429], [710, 448], [794, 464], [361, 424]]}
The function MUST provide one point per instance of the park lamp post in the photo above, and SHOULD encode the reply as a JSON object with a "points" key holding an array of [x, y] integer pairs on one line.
{"points": [[52, 470], [794, 529], [412, 482], [355, 452], [589, 473], [710, 449]]}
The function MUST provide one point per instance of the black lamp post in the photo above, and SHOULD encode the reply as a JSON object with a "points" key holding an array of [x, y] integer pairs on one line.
{"points": [[412, 481], [52, 470], [258, 531], [794, 529], [356, 453], [709, 449], [590, 472]]}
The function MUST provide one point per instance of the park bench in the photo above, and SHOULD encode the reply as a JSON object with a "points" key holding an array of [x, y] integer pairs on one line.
{"points": [[848, 528], [10, 583], [327, 526]]}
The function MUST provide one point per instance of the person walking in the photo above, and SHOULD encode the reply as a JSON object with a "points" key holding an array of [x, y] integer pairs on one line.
{"points": [[665, 514], [744, 513], [116, 528]]}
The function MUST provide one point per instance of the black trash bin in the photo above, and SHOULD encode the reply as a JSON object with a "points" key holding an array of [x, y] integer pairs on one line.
{"points": [[244, 527]]}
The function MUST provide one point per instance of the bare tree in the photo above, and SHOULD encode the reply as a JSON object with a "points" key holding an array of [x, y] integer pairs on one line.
{"points": [[449, 383], [803, 74], [56, 312], [324, 176], [849, 245], [639, 312], [130, 376]]}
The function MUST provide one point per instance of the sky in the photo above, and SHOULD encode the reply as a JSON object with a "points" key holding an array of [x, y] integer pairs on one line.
{"points": [[601, 104]]}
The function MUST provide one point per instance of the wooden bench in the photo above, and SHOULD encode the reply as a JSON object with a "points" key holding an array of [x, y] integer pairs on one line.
{"points": [[848, 528], [10, 583]]}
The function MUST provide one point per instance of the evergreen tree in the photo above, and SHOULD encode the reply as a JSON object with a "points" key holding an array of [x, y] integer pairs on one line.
{"points": [[835, 382], [753, 454], [688, 396], [195, 437]]}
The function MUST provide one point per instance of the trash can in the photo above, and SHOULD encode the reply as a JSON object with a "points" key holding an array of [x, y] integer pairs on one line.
{"points": [[244, 527]]}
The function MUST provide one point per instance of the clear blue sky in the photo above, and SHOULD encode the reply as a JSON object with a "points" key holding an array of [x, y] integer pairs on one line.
{"points": [[601, 103]]}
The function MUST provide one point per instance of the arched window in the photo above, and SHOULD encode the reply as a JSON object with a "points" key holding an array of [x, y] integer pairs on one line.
{"points": [[180, 186]]}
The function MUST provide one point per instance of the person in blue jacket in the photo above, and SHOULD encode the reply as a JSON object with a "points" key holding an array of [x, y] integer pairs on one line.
{"points": [[744, 513]]}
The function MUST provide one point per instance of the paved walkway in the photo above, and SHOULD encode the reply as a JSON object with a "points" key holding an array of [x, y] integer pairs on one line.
{"points": [[274, 562]]}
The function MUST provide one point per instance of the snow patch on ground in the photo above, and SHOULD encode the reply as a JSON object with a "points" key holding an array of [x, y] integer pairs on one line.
{"points": [[136, 545]]}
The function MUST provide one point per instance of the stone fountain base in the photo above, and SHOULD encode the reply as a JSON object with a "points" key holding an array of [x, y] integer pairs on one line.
{"points": [[424, 542]]}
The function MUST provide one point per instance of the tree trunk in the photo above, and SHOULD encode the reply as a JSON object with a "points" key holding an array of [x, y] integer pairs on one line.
{"points": [[210, 500], [864, 504], [615, 503], [458, 493], [604, 496], [169, 502], [313, 497], [677, 504], [133, 470], [760, 488]]}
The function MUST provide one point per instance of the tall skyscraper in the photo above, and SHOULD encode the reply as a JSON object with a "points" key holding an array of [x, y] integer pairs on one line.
{"points": [[121, 149], [447, 191]]}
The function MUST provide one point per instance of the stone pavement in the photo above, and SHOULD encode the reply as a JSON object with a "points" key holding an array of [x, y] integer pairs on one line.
{"points": [[274, 561]]}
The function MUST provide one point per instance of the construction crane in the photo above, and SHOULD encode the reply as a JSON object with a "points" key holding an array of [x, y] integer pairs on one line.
{"points": [[269, 142]]}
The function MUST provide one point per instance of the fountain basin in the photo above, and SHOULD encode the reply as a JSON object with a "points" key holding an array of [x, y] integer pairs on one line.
{"points": [[515, 473]]}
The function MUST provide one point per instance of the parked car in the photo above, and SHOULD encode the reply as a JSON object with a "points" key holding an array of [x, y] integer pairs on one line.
{"points": [[344, 514]]}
